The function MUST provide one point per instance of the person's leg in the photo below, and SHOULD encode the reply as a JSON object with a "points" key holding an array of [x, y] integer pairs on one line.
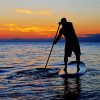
{"points": [[66, 58], [78, 61], [68, 52], [65, 61]]}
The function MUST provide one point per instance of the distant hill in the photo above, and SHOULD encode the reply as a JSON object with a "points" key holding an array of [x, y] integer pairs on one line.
{"points": [[88, 38], [25, 40]]}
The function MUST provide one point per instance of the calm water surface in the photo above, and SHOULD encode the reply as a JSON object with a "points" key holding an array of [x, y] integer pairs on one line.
{"points": [[21, 78]]}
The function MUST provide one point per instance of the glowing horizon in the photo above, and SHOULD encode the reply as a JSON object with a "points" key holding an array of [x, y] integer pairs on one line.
{"points": [[39, 19]]}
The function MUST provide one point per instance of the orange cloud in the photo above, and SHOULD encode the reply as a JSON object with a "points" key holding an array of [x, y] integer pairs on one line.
{"points": [[12, 30], [47, 13], [10, 24], [24, 11], [41, 13], [36, 28]]}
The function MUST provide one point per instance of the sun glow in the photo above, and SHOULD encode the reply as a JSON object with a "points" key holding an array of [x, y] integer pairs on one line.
{"points": [[39, 19]]}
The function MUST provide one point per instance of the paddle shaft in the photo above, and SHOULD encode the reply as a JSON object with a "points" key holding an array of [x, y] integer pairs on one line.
{"points": [[51, 48]]}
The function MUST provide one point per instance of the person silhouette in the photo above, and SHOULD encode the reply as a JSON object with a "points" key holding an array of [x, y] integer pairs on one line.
{"points": [[71, 42]]}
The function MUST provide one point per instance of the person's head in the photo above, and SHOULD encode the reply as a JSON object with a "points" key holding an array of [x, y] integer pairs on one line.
{"points": [[63, 21]]}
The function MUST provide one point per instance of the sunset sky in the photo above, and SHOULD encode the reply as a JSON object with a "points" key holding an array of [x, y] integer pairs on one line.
{"points": [[39, 18]]}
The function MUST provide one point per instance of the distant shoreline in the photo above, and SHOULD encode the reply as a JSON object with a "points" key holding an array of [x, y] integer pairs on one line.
{"points": [[88, 38], [43, 40]]}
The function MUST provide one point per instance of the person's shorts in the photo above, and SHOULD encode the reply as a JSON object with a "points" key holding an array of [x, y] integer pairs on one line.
{"points": [[68, 51]]}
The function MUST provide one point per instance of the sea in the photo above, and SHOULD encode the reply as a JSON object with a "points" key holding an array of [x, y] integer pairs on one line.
{"points": [[23, 77]]}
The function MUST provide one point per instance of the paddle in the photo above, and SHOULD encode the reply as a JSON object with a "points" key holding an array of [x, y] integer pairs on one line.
{"points": [[52, 47]]}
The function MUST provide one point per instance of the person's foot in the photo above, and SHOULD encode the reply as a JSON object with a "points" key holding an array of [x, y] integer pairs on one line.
{"points": [[78, 69], [65, 71]]}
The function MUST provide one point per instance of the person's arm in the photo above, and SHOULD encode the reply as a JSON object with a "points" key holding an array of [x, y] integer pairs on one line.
{"points": [[57, 38]]}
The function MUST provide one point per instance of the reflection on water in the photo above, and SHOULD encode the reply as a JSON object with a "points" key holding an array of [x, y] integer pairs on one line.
{"points": [[21, 78], [72, 89]]}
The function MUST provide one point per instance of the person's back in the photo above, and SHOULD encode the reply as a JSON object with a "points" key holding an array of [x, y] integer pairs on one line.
{"points": [[69, 33]]}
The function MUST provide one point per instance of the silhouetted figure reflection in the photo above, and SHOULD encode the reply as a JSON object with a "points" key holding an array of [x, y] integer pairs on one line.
{"points": [[71, 42], [72, 89]]}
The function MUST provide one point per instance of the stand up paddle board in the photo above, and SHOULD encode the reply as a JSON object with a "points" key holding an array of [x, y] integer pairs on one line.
{"points": [[72, 70]]}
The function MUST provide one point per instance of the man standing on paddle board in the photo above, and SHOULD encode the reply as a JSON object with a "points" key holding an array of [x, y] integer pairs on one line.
{"points": [[71, 42]]}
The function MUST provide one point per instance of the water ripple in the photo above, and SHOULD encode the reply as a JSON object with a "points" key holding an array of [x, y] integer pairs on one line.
{"points": [[22, 74]]}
